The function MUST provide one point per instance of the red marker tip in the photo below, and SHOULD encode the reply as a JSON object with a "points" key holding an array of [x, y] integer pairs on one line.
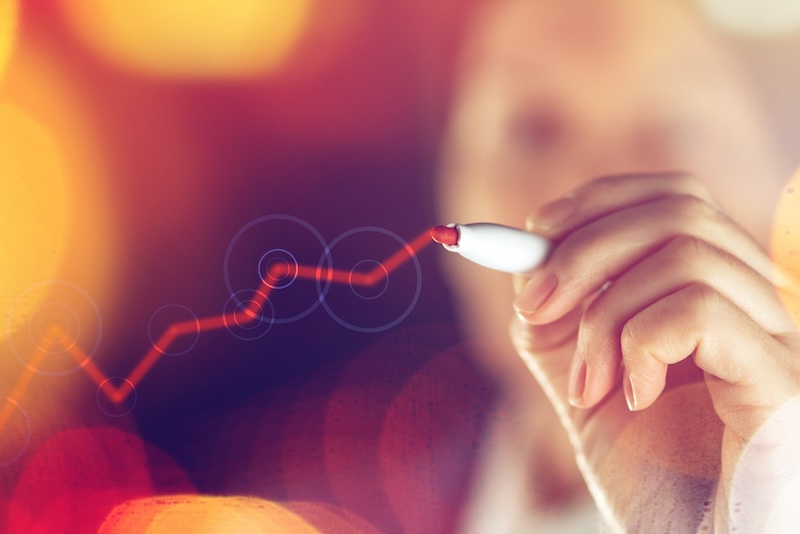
{"points": [[445, 235]]}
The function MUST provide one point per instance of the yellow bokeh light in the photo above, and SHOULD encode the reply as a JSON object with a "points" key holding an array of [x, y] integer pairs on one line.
{"points": [[54, 206], [34, 208], [786, 246], [198, 513], [8, 26], [191, 38]]}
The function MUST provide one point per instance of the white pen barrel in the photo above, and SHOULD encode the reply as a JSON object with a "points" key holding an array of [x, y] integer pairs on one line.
{"points": [[501, 248]]}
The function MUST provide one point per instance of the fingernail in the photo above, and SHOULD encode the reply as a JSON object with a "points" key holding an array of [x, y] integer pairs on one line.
{"points": [[630, 392], [553, 214], [536, 291], [577, 381]]}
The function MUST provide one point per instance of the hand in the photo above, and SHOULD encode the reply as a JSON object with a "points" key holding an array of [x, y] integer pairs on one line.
{"points": [[648, 273]]}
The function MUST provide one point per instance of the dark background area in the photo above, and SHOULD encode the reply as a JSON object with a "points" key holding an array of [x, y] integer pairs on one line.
{"points": [[383, 425]]}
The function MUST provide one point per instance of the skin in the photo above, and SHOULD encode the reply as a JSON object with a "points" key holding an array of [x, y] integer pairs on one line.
{"points": [[692, 291], [627, 133]]}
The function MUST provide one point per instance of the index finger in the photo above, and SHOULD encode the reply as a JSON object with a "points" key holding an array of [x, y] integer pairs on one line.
{"points": [[608, 194]]}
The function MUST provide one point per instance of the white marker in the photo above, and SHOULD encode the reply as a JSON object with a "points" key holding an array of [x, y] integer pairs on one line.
{"points": [[495, 246]]}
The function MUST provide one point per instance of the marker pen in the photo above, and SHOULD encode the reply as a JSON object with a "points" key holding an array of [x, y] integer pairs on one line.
{"points": [[495, 246]]}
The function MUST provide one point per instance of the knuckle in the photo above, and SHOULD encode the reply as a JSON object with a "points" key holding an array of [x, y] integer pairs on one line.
{"points": [[702, 301], [587, 239], [689, 206], [687, 248], [601, 185], [679, 181], [611, 180], [631, 338], [636, 344], [692, 186], [593, 315], [594, 338], [689, 184]]}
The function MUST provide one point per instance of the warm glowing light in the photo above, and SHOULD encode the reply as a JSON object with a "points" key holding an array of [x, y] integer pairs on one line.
{"points": [[54, 206], [34, 210], [8, 26], [760, 17], [786, 246], [193, 513], [192, 38]]}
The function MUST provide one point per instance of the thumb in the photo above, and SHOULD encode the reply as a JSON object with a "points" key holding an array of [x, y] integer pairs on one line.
{"points": [[547, 351]]}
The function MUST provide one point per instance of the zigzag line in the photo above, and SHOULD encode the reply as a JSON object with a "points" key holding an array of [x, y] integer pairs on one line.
{"points": [[240, 317]]}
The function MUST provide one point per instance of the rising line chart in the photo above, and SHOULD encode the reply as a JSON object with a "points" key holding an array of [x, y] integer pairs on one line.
{"points": [[246, 312]]}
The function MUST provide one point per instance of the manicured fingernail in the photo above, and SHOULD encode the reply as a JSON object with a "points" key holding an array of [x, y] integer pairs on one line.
{"points": [[541, 285], [630, 392], [577, 381], [553, 214]]}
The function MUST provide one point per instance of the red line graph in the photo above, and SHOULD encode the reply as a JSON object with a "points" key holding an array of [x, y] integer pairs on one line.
{"points": [[245, 314]]}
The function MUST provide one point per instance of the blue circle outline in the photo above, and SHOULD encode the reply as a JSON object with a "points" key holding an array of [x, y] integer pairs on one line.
{"points": [[163, 351], [261, 320], [324, 291], [364, 297], [89, 355], [133, 390], [248, 226], [294, 276]]}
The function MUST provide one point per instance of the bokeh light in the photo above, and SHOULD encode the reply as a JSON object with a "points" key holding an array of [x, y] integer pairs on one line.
{"points": [[8, 26], [191, 38], [754, 17], [786, 246], [192, 513], [34, 209], [53, 203], [73, 480]]}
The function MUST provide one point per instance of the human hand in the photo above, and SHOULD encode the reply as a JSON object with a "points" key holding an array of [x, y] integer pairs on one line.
{"points": [[690, 290]]}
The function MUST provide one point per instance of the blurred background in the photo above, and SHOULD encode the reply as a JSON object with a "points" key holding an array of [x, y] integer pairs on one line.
{"points": [[138, 139], [151, 154]]}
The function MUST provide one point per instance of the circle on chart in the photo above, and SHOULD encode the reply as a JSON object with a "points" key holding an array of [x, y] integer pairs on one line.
{"points": [[177, 327], [63, 333], [56, 328], [248, 315], [358, 297], [278, 268], [116, 396], [369, 279], [15, 431], [271, 253]]}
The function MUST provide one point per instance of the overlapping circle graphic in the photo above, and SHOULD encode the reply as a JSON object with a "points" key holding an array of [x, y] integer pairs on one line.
{"points": [[61, 335], [369, 295], [116, 407], [248, 315], [368, 280], [174, 316], [267, 257], [278, 268]]}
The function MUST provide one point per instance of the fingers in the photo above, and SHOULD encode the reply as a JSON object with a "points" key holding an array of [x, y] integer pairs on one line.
{"points": [[698, 322], [686, 281], [605, 248], [606, 195], [682, 262]]}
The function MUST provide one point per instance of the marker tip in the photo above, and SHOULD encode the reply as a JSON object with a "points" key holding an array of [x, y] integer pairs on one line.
{"points": [[445, 235]]}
